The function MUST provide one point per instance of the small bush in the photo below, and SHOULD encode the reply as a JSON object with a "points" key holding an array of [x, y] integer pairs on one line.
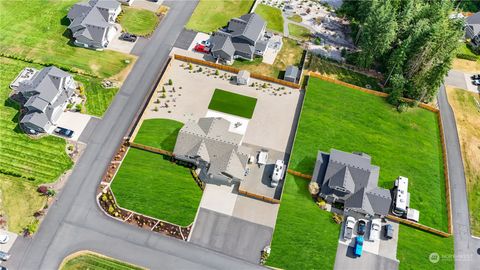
{"points": [[42, 189], [170, 82], [467, 57]]}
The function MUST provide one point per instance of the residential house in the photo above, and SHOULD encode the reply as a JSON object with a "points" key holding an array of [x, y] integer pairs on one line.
{"points": [[351, 179], [472, 29], [92, 23], [46, 96], [212, 148], [291, 74], [244, 38]]}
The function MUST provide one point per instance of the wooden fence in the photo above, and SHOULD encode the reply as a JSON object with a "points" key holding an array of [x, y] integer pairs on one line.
{"points": [[258, 197], [150, 149], [235, 70], [419, 226], [197, 179], [299, 174]]}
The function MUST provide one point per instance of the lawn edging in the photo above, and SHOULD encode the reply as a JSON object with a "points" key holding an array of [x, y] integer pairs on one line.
{"points": [[89, 252], [234, 70]]}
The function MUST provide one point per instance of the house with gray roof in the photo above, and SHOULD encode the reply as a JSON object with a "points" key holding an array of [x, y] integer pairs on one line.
{"points": [[45, 96], [92, 23], [211, 147], [244, 38], [472, 29], [351, 179]]}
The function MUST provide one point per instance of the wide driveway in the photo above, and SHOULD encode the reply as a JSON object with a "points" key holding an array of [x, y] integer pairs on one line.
{"points": [[75, 222]]}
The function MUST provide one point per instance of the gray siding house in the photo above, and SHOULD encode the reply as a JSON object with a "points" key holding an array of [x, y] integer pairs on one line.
{"points": [[93, 23], [213, 149], [351, 179], [242, 38], [46, 95]]}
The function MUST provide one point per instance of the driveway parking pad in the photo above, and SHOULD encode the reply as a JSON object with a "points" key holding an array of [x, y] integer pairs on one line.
{"points": [[73, 121], [6, 247]]}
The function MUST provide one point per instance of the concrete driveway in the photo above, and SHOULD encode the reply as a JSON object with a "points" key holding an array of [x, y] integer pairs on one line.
{"points": [[462, 80], [6, 247], [146, 4], [74, 121], [345, 259], [121, 45]]}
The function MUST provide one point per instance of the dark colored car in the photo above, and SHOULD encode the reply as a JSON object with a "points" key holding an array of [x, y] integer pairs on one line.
{"points": [[3, 268], [4, 256], [475, 77], [64, 132], [388, 231], [362, 227], [128, 37]]}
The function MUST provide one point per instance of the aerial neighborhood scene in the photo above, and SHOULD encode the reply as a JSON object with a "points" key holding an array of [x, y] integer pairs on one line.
{"points": [[239, 134]]}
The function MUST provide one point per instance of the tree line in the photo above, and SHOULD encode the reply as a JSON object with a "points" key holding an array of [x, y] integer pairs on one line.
{"points": [[412, 41]]}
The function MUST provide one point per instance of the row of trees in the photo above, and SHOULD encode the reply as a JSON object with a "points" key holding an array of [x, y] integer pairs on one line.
{"points": [[412, 41]]}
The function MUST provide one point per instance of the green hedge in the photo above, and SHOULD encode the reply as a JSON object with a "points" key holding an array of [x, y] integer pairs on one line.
{"points": [[467, 57]]}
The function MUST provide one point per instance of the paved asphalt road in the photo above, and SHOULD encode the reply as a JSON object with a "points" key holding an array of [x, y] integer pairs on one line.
{"points": [[75, 222], [466, 256]]}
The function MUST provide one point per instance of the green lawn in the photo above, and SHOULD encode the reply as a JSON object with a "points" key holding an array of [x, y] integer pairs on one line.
{"points": [[149, 184], [98, 98], [231, 103], [19, 200], [406, 144], [290, 54], [305, 236], [295, 18], [298, 31], [159, 133], [273, 17], [41, 160], [138, 21], [90, 261], [331, 70], [212, 15], [44, 38], [415, 247]]}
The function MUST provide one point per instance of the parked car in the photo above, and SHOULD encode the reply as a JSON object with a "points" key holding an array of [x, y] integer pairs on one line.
{"points": [[358, 248], [375, 228], [362, 227], [349, 225], [388, 231], [476, 82], [128, 37], [201, 48], [262, 157], [206, 43], [475, 77], [64, 132], [4, 256], [4, 238], [3, 268]]}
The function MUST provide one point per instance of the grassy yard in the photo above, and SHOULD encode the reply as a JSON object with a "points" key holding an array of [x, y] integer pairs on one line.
{"points": [[298, 31], [41, 160], [467, 116], [305, 236], [19, 200], [159, 133], [212, 15], [44, 38], [231, 103], [140, 22], [406, 144], [273, 17], [90, 261], [98, 98], [331, 70], [415, 247], [149, 184], [290, 54]]}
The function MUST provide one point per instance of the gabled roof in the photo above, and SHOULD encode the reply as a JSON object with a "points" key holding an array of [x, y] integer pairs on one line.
{"points": [[36, 119], [47, 83], [36, 103], [221, 42], [248, 26]]}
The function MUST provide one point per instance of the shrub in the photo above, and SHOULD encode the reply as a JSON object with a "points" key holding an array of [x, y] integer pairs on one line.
{"points": [[111, 209], [217, 72], [42, 189], [51, 192], [467, 57], [31, 228], [78, 107], [170, 82]]}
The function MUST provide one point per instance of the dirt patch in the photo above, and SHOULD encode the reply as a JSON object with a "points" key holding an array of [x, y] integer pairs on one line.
{"points": [[466, 65], [120, 77]]}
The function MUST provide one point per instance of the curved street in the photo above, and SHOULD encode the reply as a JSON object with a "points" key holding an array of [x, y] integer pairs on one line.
{"points": [[76, 223], [466, 256]]}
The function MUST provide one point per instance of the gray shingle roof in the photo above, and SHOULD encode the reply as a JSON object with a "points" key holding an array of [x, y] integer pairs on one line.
{"points": [[222, 43], [351, 178], [291, 72], [36, 119], [209, 140], [248, 26]]}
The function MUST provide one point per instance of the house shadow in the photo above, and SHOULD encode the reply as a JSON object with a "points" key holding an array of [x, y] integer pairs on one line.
{"points": [[67, 34]]}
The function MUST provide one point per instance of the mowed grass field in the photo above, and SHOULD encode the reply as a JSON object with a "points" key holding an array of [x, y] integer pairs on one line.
{"points": [[159, 133], [37, 30], [210, 15], [273, 17], [406, 144], [98, 98], [467, 117], [290, 54], [298, 31], [19, 200], [415, 247], [305, 236], [231, 103], [90, 261], [138, 21], [42, 160], [147, 183]]}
